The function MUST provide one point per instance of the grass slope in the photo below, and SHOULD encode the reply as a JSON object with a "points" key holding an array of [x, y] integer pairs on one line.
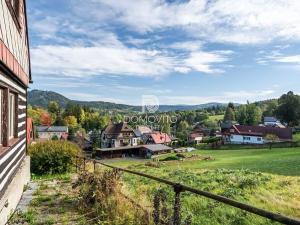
{"points": [[267, 179], [281, 161]]}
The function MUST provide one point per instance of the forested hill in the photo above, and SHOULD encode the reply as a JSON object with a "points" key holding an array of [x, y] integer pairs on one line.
{"points": [[42, 98]]}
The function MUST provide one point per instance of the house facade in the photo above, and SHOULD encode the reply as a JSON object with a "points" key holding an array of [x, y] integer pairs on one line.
{"points": [[48, 133], [118, 135], [15, 77], [240, 134]]}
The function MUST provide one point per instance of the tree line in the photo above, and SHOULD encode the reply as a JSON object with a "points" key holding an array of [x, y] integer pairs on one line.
{"points": [[286, 109]]}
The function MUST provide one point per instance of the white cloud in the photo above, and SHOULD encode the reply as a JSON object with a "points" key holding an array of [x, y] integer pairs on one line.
{"points": [[294, 59], [246, 21], [109, 56]]}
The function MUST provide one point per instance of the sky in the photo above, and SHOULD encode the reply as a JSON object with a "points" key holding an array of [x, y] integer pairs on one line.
{"points": [[181, 51]]}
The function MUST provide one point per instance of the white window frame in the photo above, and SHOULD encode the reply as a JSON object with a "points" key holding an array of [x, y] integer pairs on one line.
{"points": [[11, 115]]}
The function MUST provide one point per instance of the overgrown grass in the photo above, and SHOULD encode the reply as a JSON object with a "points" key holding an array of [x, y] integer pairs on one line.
{"points": [[262, 190]]}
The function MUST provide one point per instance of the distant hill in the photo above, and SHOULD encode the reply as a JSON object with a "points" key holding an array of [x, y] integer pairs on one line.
{"points": [[42, 98]]}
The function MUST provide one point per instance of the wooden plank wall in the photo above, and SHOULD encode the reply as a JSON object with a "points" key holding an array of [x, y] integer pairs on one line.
{"points": [[14, 155], [14, 39]]}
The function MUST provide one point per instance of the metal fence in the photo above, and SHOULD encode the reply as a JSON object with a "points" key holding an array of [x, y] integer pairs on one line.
{"points": [[179, 188]]}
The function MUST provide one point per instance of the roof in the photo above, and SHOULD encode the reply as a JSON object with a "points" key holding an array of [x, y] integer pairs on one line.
{"points": [[140, 130], [270, 119], [160, 138], [282, 133], [51, 129], [157, 147], [115, 129]]}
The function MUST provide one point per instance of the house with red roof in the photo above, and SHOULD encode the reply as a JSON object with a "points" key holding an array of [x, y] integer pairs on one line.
{"points": [[241, 134], [157, 138]]}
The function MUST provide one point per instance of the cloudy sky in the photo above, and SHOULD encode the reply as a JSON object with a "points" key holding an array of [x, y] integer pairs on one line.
{"points": [[184, 52]]}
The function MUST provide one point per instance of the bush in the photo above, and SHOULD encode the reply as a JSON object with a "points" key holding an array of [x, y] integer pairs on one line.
{"points": [[54, 138], [179, 155], [171, 158], [52, 157]]}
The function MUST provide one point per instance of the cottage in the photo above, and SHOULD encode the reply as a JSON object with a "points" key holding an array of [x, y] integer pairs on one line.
{"points": [[141, 133], [118, 135], [48, 133], [157, 138], [15, 77], [197, 134], [240, 134]]}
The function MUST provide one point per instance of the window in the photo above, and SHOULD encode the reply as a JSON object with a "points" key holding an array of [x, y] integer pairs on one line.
{"points": [[1, 116], [11, 115], [259, 139], [246, 138]]}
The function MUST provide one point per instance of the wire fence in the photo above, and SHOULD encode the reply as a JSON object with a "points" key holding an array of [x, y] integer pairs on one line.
{"points": [[178, 188]]}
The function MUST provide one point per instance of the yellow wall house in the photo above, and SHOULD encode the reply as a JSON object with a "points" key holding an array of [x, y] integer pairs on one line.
{"points": [[14, 79]]}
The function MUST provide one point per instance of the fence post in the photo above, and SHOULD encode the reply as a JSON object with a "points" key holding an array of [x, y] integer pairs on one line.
{"points": [[76, 164], [84, 164], [177, 204], [94, 165]]}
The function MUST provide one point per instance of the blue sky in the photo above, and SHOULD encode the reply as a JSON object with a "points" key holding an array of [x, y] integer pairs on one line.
{"points": [[183, 52]]}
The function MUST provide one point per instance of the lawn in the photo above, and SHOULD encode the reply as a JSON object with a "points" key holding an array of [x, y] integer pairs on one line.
{"points": [[280, 161]]}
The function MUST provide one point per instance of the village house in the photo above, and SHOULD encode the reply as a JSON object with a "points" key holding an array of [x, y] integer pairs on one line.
{"points": [[157, 138], [15, 77], [118, 135], [241, 134], [272, 121], [141, 133], [197, 134], [50, 132]]}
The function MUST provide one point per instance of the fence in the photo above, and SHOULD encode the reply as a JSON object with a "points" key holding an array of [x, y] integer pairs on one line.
{"points": [[179, 188]]}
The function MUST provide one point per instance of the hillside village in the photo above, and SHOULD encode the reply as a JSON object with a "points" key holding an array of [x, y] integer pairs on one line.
{"points": [[109, 136], [104, 159]]}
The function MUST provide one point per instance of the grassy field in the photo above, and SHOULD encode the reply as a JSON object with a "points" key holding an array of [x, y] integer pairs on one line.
{"points": [[264, 178], [216, 118], [280, 161]]}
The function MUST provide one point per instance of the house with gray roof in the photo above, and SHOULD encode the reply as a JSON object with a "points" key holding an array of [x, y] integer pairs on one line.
{"points": [[48, 133]]}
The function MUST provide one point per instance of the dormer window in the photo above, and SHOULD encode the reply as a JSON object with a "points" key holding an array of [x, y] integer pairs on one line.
{"points": [[14, 8]]}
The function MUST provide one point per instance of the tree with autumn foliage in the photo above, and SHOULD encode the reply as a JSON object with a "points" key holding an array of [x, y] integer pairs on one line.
{"points": [[45, 119]]}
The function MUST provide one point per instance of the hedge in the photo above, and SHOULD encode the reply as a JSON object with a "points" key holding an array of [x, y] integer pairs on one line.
{"points": [[52, 157]]}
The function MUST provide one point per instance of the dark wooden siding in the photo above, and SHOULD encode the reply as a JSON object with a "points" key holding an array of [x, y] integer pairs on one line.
{"points": [[12, 157]]}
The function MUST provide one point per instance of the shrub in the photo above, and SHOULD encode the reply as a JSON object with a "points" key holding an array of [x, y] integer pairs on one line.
{"points": [[179, 155], [171, 158], [52, 157], [54, 138]]}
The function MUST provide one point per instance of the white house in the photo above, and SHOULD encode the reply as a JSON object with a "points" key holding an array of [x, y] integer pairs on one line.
{"points": [[45, 132], [240, 134]]}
